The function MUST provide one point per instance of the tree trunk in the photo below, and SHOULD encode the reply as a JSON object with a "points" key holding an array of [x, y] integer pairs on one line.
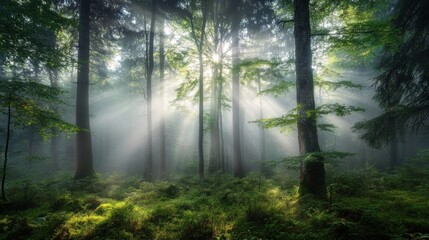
{"points": [[201, 94], [33, 140], [393, 153], [55, 140], [6, 149], [162, 158], [2, 65], [214, 160], [149, 160], [84, 161], [237, 164], [312, 170], [264, 166], [221, 141]]}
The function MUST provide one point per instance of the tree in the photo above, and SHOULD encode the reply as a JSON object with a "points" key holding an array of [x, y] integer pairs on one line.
{"points": [[149, 160], [53, 78], [312, 173], [220, 27], [30, 104], [201, 89], [24, 26], [237, 162], [162, 153], [402, 87], [197, 24], [84, 161]]}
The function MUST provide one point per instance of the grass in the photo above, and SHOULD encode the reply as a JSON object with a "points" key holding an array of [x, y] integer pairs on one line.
{"points": [[362, 206]]}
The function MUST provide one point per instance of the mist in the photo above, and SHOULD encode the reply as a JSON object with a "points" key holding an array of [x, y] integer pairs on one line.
{"points": [[214, 119]]}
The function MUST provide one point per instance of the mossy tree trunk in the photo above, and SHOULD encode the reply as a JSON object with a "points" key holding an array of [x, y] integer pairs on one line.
{"points": [[312, 174]]}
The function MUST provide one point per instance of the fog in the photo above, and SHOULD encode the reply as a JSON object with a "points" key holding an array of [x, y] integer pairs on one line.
{"points": [[118, 104]]}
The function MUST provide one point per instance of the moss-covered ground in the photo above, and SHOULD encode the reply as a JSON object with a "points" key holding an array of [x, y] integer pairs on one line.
{"points": [[362, 205]]}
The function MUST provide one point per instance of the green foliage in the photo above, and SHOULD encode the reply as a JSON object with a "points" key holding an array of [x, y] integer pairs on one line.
{"points": [[33, 105], [195, 226], [170, 191], [289, 120], [294, 162], [278, 89], [364, 205], [418, 166], [391, 124], [24, 27], [274, 71], [331, 85], [285, 122], [334, 108], [404, 69]]}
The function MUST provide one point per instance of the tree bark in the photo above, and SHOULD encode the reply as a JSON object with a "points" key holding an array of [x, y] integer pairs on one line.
{"points": [[33, 137], [149, 160], [2, 65], [201, 94], [221, 140], [312, 177], [84, 161], [393, 153], [162, 154], [6, 149], [264, 166], [214, 160], [237, 164], [55, 140]]}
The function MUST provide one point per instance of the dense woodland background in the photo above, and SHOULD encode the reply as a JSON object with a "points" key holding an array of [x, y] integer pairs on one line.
{"points": [[214, 119]]}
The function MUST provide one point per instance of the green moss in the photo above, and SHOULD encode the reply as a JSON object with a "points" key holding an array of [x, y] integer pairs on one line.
{"points": [[219, 207]]}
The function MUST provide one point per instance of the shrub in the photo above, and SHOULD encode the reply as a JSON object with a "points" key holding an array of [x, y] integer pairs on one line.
{"points": [[170, 191], [196, 226]]}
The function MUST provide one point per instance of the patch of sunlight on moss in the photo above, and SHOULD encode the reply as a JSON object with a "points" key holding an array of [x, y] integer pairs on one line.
{"points": [[82, 225], [106, 208], [141, 212], [274, 192]]}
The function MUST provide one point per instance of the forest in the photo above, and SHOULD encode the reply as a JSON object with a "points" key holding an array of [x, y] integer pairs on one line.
{"points": [[214, 119]]}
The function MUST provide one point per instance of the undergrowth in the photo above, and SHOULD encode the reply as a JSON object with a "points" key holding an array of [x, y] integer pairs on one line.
{"points": [[364, 204]]}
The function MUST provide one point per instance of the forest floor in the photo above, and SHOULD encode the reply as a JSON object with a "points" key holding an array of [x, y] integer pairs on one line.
{"points": [[363, 204]]}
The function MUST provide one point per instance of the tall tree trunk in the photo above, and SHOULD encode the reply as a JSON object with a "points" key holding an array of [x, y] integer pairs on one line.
{"points": [[33, 141], [220, 92], [214, 160], [162, 158], [312, 177], [71, 142], [55, 140], [84, 161], [237, 164], [2, 65], [264, 167], [149, 160], [393, 153], [201, 93], [6, 149]]}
